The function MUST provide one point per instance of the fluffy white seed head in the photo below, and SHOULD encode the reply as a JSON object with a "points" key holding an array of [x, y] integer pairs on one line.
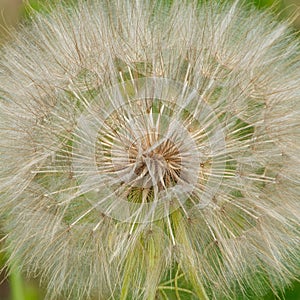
{"points": [[148, 148]]}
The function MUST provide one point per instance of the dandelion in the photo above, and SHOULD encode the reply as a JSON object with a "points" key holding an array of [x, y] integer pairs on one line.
{"points": [[150, 149]]}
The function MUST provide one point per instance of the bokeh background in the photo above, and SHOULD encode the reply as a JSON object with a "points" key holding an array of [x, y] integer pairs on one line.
{"points": [[13, 13]]}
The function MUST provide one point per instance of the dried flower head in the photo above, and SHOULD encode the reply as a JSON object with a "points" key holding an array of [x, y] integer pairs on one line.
{"points": [[151, 148]]}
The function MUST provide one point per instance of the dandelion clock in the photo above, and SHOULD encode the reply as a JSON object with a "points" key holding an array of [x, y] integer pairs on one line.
{"points": [[151, 150]]}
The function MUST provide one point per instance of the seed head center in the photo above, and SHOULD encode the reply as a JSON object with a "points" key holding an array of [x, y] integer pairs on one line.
{"points": [[158, 164]]}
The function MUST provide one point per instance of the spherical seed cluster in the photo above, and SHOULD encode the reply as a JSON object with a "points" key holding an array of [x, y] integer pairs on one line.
{"points": [[148, 149]]}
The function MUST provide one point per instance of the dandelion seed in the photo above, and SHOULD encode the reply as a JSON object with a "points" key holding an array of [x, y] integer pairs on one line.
{"points": [[149, 149]]}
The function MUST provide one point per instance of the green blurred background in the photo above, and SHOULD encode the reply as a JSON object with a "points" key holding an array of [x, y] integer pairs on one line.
{"points": [[14, 12]]}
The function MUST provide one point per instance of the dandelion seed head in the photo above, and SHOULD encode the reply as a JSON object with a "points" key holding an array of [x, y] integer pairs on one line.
{"points": [[149, 148]]}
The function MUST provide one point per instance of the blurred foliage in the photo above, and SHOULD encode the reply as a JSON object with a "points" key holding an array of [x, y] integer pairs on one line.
{"points": [[11, 11]]}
